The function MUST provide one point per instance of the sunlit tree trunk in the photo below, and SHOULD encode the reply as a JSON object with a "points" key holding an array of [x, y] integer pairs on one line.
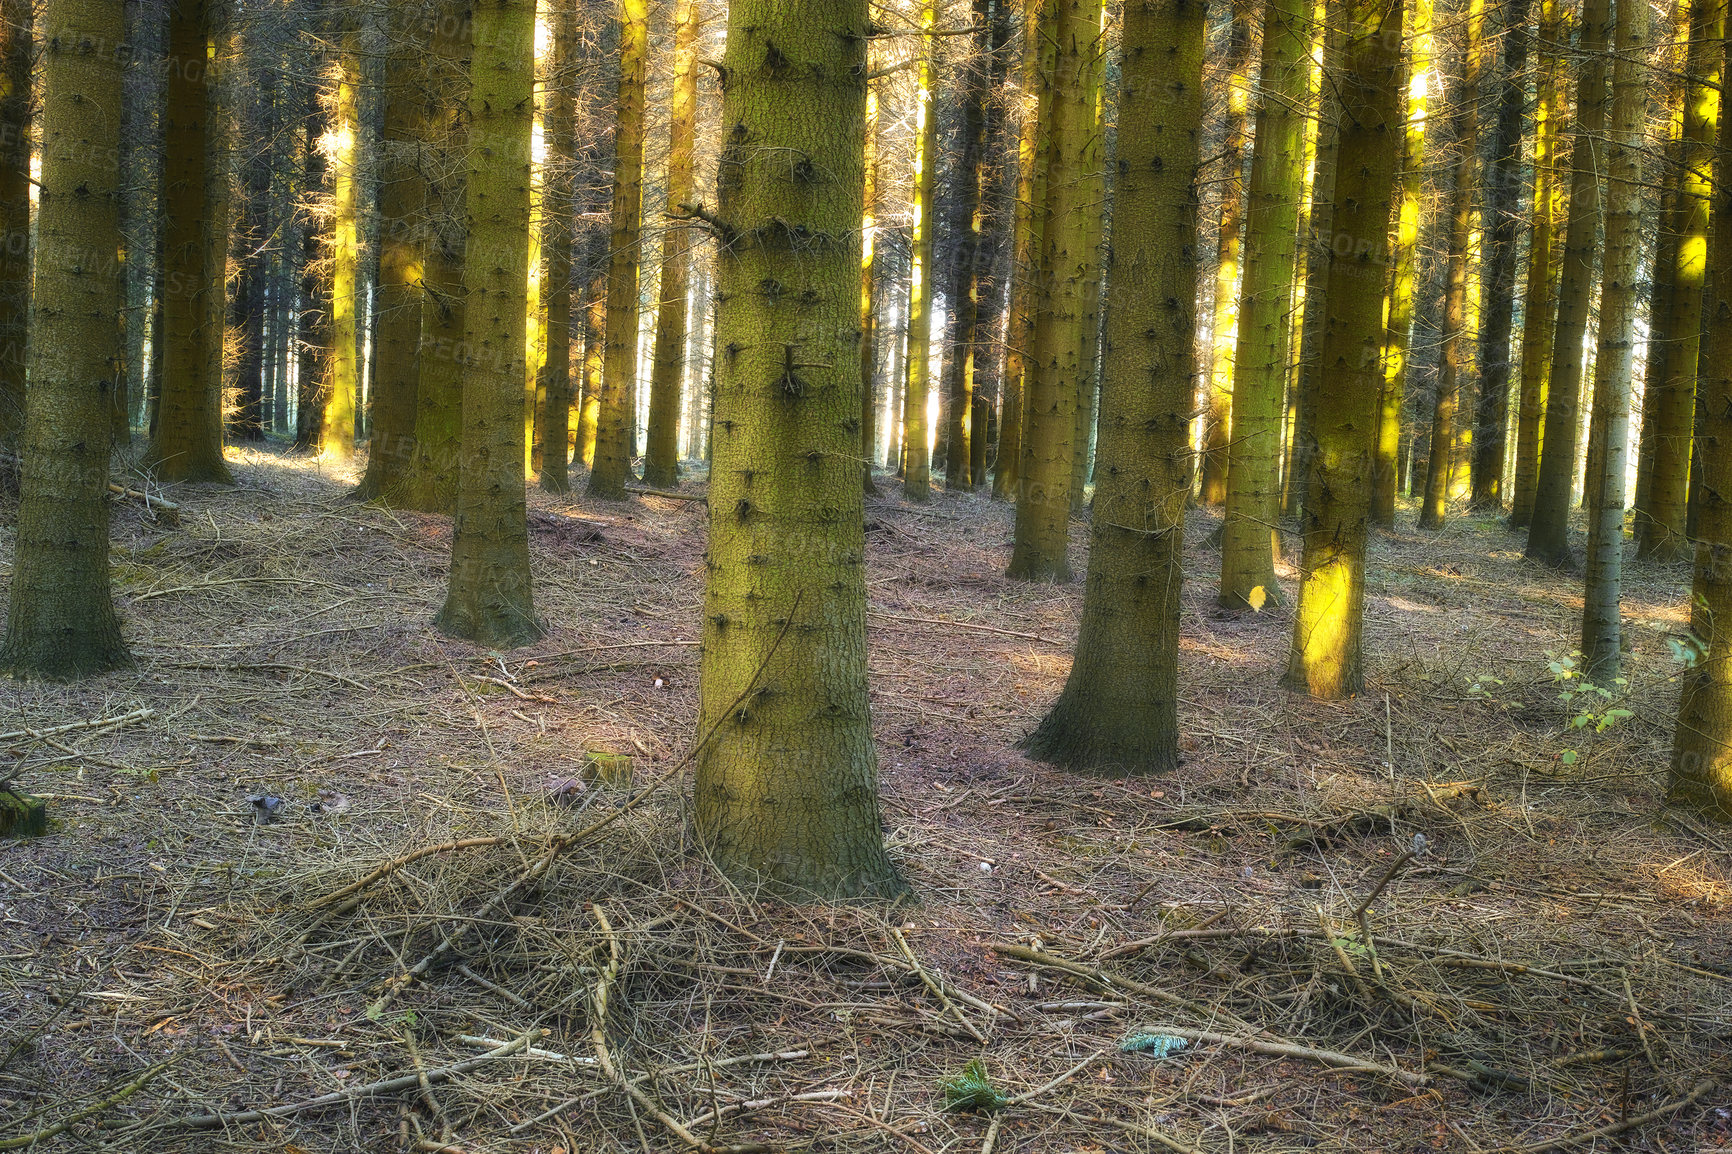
{"points": [[1217, 421], [489, 599], [594, 361], [1498, 284], [616, 418], [1404, 259], [187, 442], [1326, 659], [1548, 532], [1094, 190], [15, 55], [1539, 298], [341, 396], [1055, 372], [786, 790], [661, 454], [61, 620], [869, 298], [559, 128], [1118, 712], [1452, 365], [916, 432], [1660, 524], [1249, 539], [1615, 363]]}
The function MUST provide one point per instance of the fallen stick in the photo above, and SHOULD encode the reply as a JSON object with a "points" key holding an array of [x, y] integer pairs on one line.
{"points": [[968, 626], [395, 864], [718, 1114], [370, 1090], [1150, 1132], [932, 984], [687, 1068], [161, 508], [1095, 974], [1332, 1058], [1615, 1128], [640, 491], [94, 723], [78, 1116], [267, 667]]}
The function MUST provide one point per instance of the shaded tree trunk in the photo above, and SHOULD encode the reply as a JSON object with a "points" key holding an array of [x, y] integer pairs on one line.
{"points": [[15, 54], [916, 433], [661, 459], [559, 127]]}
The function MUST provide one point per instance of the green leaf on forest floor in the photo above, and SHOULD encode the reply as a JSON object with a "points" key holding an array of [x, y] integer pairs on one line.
{"points": [[971, 1090], [1568, 757], [1154, 1045]]}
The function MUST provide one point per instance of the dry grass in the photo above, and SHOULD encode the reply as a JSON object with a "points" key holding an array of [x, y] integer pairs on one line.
{"points": [[284, 647]]}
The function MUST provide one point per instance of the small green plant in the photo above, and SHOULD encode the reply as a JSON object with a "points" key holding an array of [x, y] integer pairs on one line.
{"points": [[1589, 706], [971, 1090]]}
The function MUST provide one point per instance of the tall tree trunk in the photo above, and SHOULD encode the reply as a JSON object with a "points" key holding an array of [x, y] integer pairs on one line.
{"points": [[916, 434], [489, 599], [559, 127], [1498, 283], [1027, 226], [342, 397], [402, 241], [869, 298], [594, 355], [1452, 367], [787, 790], [61, 620], [661, 460], [616, 422], [1249, 539], [1701, 769], [1119, 709], [1326, 659], [1056, 372], [1094, 189], [1549, 531], [1616, 360], [432, 482], [1661, 524], [1398, 339], [187, 442], [15, 55], [1217, 421]]}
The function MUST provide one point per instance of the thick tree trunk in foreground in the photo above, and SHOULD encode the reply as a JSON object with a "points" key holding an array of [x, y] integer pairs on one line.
{"points": [[1549, 530], [187, 442], [489, 600], [1118, 711], [1249, 539], [787, 789], [61, 620], [1055, 372], [15, 53], [616, 421], [1326, 659], [667, 371], [916, 431], [1615, 363]]}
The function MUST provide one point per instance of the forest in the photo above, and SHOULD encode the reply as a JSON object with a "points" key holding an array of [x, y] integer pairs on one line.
{"points": [[990, 576]]}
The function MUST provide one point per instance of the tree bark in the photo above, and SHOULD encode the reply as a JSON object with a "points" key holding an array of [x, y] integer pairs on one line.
{"points": [[916, 432], [661, 459], [869, 298], [343, 394], [15, 56], [786, 789]]}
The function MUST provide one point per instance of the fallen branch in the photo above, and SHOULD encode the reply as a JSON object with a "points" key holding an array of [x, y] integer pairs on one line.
{"points": [[1568, 1140], [687, 1068], [933, 985], [1137, 1128], [388, 868], [1332, 1058], [95, 723], [1110, 981], [721, 1112], [642, 492], [268, 667], [78, 1116], [967, 626]]}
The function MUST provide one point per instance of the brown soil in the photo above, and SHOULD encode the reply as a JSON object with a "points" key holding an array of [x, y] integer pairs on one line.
{"points": [[284, 648]]}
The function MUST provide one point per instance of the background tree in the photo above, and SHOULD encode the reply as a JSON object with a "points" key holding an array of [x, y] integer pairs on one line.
{"points": [[559, 120], [61, 620], [916, 429], [15, 56], [787, 780], [661, 457]]}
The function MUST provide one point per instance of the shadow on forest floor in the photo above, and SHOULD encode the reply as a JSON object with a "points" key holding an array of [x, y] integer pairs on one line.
{"points": [[1558, 962]]}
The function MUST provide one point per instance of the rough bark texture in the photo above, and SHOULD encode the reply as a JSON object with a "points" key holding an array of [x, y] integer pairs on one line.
{"points": [[1055, 371], [1541, 293], [344, 389], [1326, 659], [1615, 363], [15, 53], [1118, 711], [1549, 528], [559, 128], [1249, 539], [1217, 421], [916, 431], [489, 598], [1660, 521], [869, 298], [667, 372], [616, 419], [61, 620], [787, 789], [186, 444]]}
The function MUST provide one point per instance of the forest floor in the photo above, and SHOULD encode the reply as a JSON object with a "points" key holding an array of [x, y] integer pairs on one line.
{"points": [[1553, 972]]}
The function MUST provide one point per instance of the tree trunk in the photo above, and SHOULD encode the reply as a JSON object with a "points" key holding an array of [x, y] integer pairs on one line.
{"points": [[1326, 659], [1398, 339], [1615, 363], [187, 442], [661, 459], [616, 421], [916, 434], [787, 790], [1661, 524], [489, 599], [1094, 190], [1055, 373], [15, 56], [1549, 530], [342, 396], [1119, 709], [1249, 540], [1498, 283], [559, 127], [1452, 367], [61, 622], [869, 298], [1217, 421]]}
